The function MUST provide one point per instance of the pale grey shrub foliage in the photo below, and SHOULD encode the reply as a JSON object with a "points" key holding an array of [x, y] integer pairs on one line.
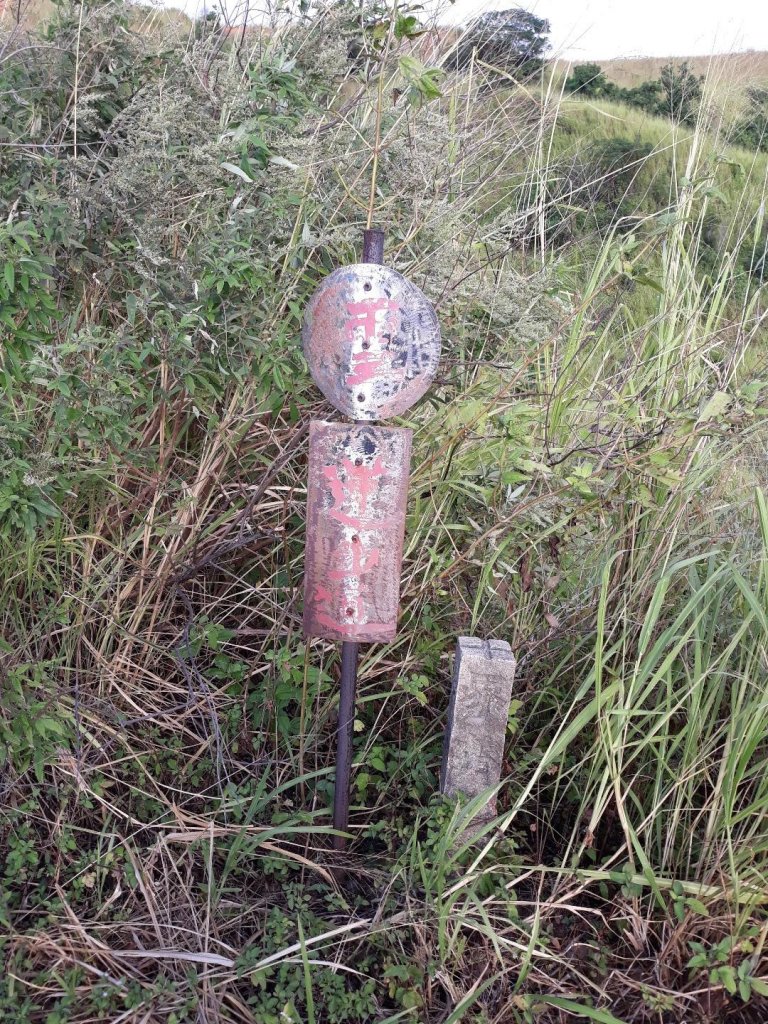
{"points": [[166, 173], [449, 189]]}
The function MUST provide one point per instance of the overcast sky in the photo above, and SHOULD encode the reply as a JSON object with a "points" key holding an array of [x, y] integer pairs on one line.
{"points": [[588, 29], [621, 28]]}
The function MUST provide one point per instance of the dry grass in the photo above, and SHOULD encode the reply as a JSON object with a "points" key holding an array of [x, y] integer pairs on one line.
{"points": [[742, 69], [26, 13]]}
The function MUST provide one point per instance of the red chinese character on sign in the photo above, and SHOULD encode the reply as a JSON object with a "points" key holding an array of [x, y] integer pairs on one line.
{"points": [[365, 327], [352, 490], [357, 481]]}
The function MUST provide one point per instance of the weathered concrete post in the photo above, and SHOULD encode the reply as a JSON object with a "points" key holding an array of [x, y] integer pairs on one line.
{"points": [[481, 691]]}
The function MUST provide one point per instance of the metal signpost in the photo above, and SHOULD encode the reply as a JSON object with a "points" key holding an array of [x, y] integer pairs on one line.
{"points": [[372, 342]]}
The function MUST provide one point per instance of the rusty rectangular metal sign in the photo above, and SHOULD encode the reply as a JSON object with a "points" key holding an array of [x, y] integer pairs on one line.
{"points": [[356, 495]]}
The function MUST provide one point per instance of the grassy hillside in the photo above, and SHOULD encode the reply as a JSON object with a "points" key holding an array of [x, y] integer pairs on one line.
{"points": [[726, 77], [588, 482], [749, 67], [671, 150]]}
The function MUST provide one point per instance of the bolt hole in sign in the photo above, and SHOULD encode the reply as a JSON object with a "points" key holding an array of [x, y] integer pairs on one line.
{"points": [[372, 342]]}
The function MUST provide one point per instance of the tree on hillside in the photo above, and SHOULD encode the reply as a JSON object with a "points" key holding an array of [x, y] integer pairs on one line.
{"points": [[752, 127], [589, 80], [681, 92], [513, 41], [646, 96]]}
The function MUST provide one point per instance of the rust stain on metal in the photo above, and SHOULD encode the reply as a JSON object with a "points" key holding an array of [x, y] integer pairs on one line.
{"points": [[372, 341], [358, 481]]}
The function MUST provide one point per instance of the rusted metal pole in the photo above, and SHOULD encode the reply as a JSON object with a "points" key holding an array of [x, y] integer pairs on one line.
{"points": [[373, 252], [347, 687], [373, 245]]}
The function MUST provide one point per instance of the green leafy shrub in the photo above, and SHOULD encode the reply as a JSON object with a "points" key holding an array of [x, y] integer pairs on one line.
{"points": [[614, 165], [751, 130], [34, 724], [681, 90], [589, 80], [647, 96]]}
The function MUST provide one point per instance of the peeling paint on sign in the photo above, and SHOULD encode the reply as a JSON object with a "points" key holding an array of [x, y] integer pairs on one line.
{"points": [[358, 480], [372, 341]]}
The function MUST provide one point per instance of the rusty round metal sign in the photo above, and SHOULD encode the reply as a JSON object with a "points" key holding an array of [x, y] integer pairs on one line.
{"points": [[372, 341]]}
